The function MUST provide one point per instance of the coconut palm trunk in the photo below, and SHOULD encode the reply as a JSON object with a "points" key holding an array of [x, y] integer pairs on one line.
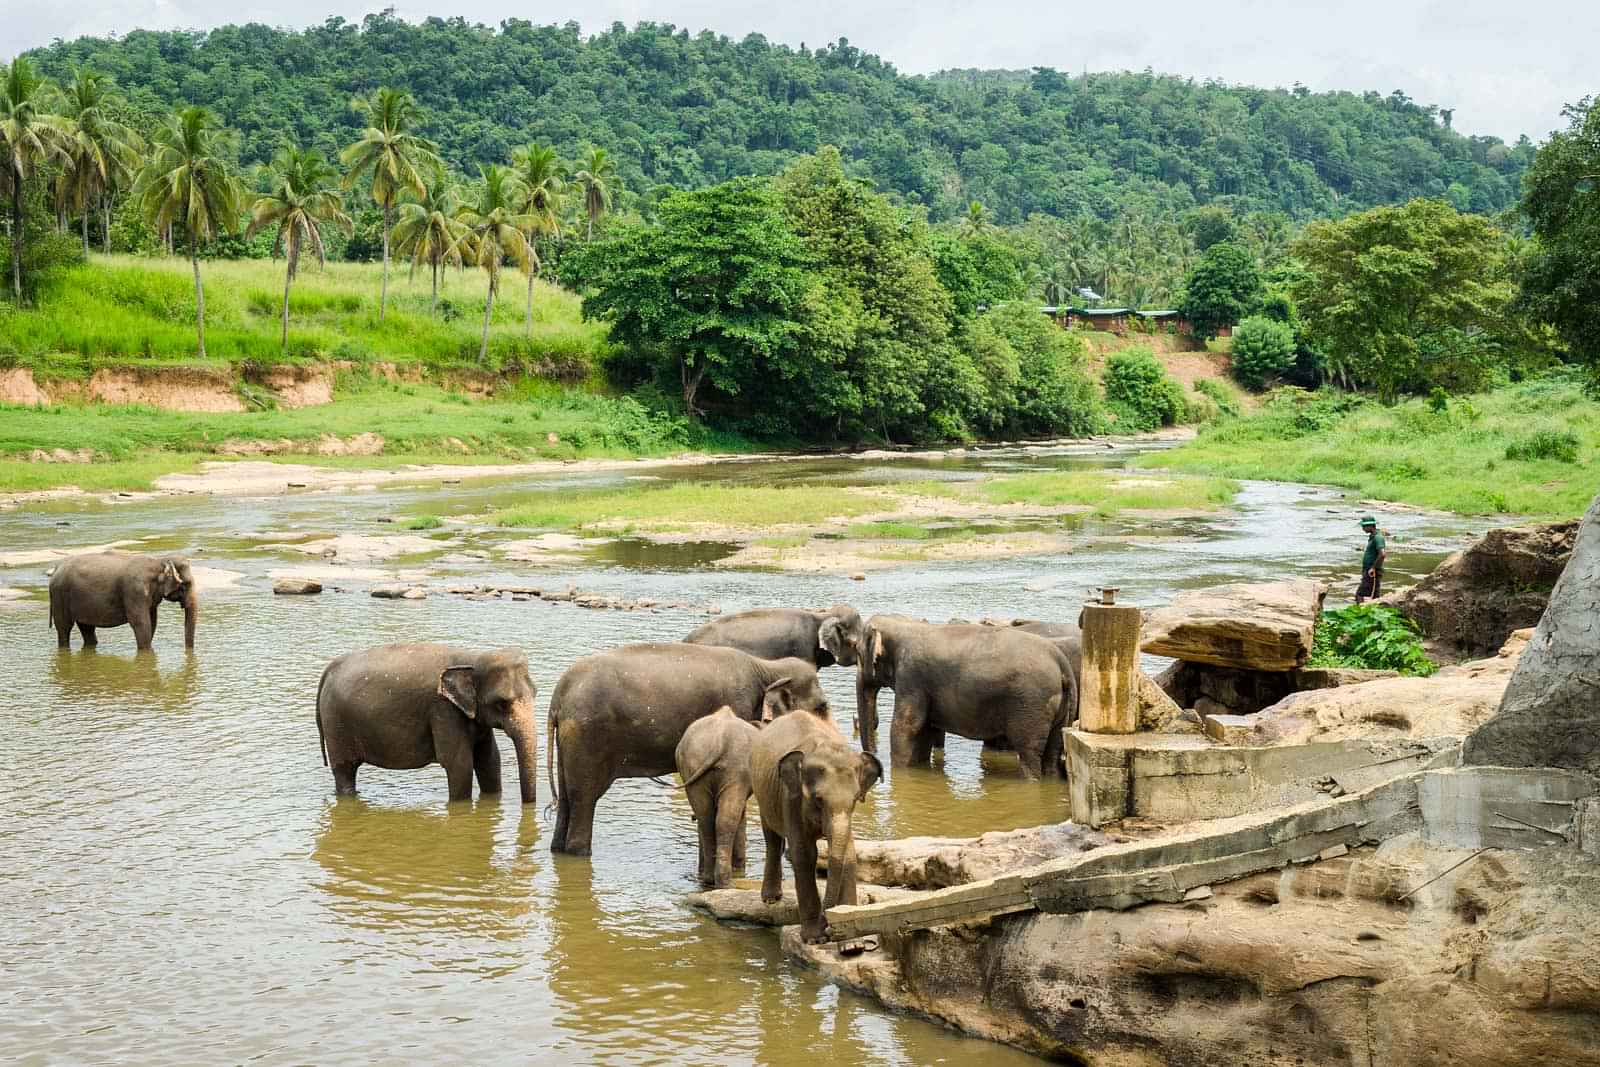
{"points": [[86, 231], [388, 225], [293, 250], [105, 214], [433, 308], [16, 233], [199, 297], [488, 308], [529, 324]]}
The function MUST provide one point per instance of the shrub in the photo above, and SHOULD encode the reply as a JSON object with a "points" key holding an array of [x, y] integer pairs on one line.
{"points": [[1262, 350], [1370, 637], [1559, 445], [1139, 392], [1220, 395]]}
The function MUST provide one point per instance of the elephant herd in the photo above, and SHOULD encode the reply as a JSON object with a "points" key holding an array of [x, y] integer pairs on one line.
{"points": [[735, 708]]}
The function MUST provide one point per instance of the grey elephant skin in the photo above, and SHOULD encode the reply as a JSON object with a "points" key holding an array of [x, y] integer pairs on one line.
{"points": [[825, 638], [982, 682], [621, 714], [406, 706], [808, 780], [120, 588], [714, 761], [1068, 637]]}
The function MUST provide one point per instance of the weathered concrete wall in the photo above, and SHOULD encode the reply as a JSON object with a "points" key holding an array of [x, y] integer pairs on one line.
{"points": [[1108, 698], [1551, 712], [1502, 807]]}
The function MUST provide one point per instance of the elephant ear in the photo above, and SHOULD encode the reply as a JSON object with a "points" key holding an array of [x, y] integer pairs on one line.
{"points": [[828, 636], [459, 685], [877, 650], [776, 700], [869, 772], [170, 578], [790, 768]]}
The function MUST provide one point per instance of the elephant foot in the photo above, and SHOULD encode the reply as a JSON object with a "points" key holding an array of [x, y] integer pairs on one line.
{"points": [[814, 935], [768, 897]]}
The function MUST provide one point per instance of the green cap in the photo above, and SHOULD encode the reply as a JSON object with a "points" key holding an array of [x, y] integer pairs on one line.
{"points": [[1368, 520]]}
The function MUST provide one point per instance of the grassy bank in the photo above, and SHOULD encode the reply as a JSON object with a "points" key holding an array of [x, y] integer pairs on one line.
{"points": [[1105, 492], [123, 310], [684, 505], [1526, 449]]}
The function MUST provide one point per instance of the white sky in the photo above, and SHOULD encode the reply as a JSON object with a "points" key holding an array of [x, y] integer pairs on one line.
{"points": [[1506, 68]]}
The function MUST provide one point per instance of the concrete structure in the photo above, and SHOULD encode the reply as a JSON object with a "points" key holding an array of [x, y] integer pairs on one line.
{"points": [[1108, 701]]}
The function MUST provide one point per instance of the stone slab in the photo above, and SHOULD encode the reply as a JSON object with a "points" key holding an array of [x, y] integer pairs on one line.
{"points": [[1258, 626]]}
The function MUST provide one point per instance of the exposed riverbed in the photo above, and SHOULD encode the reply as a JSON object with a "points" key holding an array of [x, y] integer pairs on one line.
{"points": [[180, 885]]}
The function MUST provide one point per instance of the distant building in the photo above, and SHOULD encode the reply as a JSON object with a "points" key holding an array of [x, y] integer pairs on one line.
{"points": [[1119, 320]]}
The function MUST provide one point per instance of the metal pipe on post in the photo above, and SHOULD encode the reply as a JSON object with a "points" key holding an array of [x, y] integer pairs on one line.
{"points": [[1109, 699]]}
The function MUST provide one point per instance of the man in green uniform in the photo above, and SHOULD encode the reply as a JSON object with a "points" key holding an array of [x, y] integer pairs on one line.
{"points": [[1372, 560]]}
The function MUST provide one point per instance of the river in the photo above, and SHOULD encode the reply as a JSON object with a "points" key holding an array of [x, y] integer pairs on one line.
{"points": [[180, 885]]}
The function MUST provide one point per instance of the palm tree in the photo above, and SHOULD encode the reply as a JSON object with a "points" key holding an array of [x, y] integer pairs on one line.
{"points": [[29, 136], [392, 158], [186, 186], [101, 153], [494, 230], [300, 197], [428, 229], [976, 220], [598, 180], [539, 173]]}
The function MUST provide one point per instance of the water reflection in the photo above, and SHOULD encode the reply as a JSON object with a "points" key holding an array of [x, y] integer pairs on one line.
{"points": [[138, 679]]}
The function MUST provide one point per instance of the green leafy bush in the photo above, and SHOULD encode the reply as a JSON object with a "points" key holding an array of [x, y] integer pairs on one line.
{"points": [[1559, 445], [1220, 395], [1262, 350], [1139, 392], [1371, 637]]}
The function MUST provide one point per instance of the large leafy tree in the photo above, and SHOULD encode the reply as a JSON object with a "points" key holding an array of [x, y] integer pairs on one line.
{"points": [[1561, 198], [187, 186], [710, 294], [597, 178], [100, 153], [301, 197], [1223, 288], [1404, 297], [539, 172], [493, 232], [391, 158], [30, 135], [430, 228]]}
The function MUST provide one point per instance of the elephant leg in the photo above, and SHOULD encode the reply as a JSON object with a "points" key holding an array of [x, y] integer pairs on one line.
{"points": [[88, 635], [1030, 754], [144, 630], [772, 873], [580, 822], [729, 826], [803, 857], [453, 750], [923, 744], [910, 717], [486, 763], [558, 839], [740, 846], [705, 824], [935, 738], [344, 778]]}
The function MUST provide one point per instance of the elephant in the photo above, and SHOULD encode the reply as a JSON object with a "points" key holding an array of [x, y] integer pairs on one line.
{"points": [[825, 638], [982, 682], [113, 588], [409, 705], [621, 714], [807, 782], [714, 760], [1068, 637]]}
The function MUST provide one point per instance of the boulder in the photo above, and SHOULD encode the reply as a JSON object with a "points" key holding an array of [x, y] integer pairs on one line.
{"points": [[937, 862], [399, 591], [1157, 711], [296, 587], [1499, 583], [1256, 626], [1550, 716]]}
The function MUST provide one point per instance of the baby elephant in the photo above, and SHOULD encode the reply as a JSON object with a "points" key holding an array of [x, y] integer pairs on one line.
{"points": [[714, 760], [406, 706], [807, 781]]}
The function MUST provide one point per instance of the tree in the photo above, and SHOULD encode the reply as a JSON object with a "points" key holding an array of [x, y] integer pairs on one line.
{"points": [[539, 172], [391, 158], [598, 180], [1383, 287], [300, 198], [494, 230], [1209, 226], [976, 220], [1561, 199], [29, 136], [100, 154], [1223, 288], [711, 292], [430, 227], [186, 185], [1263, 349]]}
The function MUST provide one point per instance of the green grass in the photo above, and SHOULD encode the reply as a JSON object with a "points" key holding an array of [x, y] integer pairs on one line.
{"points": [[422, 522], [1105, 492], [890, 530], [686, 504], [1453, 460], [123, 310], [23, 476]]}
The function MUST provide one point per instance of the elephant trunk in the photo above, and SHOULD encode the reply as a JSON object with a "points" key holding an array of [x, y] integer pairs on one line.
{"points": [[525, 739], [191, 611], [841, 860]]}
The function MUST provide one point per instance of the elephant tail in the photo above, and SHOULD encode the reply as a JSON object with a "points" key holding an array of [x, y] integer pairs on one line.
{"points": [[322, 739], [550, 753]]}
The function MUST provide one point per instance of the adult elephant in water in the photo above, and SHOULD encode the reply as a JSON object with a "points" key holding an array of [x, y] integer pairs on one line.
{"points": [[406, 706], [982, 682], [1068, 637], [116, 588], [823, 637], [621, 714]]}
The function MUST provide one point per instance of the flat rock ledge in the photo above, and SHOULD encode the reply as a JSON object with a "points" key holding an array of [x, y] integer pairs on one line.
{"points": [[938, 862], [1257, 626], [742, 902]]}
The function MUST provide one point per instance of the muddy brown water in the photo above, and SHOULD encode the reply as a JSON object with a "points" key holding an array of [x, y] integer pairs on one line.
{"points": [[180, 886]]}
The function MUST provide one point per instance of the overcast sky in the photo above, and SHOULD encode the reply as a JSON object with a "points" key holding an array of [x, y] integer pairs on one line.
{"points": [[1506, 68]]}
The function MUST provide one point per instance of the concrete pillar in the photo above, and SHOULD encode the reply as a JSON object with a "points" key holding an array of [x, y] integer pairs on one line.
{"points": [[1109, 701]]}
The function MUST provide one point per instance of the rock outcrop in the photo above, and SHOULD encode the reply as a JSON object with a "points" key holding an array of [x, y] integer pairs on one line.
{"points": [[296, 587], [742, 902], [938, 862], [1499, 583], [1261, 626], [1551, 713]]}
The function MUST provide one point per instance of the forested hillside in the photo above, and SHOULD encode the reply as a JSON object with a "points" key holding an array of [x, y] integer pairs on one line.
{"points": [[689, 110]]}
